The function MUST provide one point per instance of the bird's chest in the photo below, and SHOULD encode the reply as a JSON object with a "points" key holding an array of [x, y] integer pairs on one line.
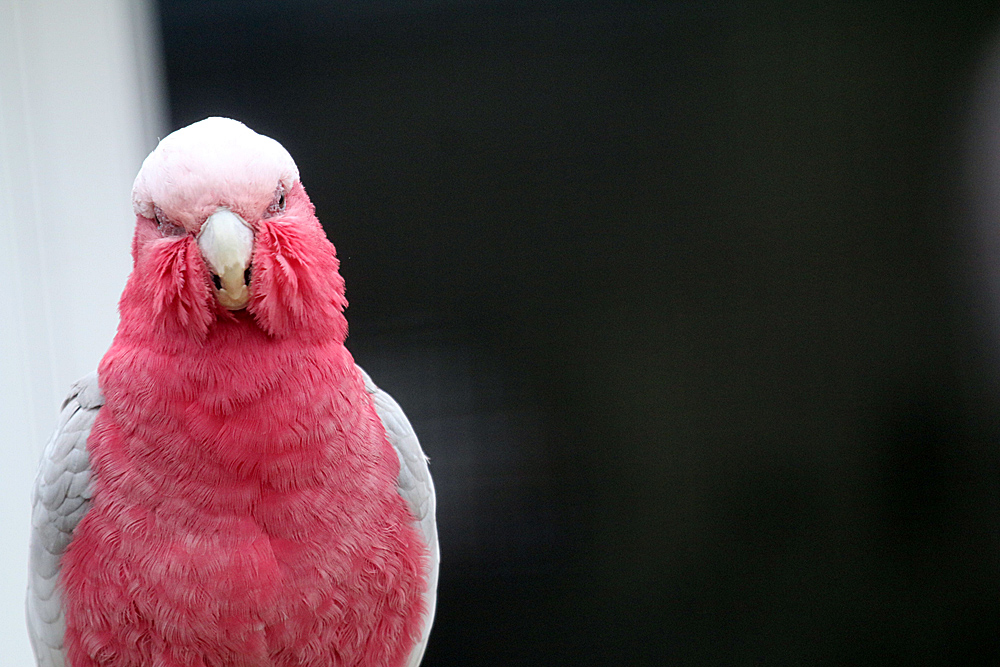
{"points": [[281, 553], [295, 555]]}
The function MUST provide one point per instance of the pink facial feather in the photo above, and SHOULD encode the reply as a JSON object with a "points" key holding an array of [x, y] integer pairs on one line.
{"points": [[244, 505]]}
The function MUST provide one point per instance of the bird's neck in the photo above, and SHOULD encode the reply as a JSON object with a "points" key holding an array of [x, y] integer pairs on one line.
{"points": [[242, 407]]}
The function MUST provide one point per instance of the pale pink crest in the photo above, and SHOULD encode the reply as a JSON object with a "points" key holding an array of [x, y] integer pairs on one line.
{"points": [[214, 162]]}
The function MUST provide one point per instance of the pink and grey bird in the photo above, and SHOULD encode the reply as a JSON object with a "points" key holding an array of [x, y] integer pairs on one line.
{"points": [[229, 489]]}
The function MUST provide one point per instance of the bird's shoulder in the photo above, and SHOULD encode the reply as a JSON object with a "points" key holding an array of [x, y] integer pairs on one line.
{"points": [[61, 497]]}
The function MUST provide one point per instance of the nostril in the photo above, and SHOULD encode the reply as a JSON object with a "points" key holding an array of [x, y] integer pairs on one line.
{"points": [[247, 275], [217, 281]]}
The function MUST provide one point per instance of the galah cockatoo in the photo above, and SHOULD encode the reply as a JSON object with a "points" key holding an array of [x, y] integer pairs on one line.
{"points": [[230, 489]]}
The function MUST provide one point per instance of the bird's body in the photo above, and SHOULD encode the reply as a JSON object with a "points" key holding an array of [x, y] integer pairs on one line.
{"points": [[243, 503]]}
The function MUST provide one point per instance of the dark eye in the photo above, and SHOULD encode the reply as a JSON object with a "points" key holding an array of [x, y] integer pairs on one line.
{"points": [[277, 204], [166, 227]]}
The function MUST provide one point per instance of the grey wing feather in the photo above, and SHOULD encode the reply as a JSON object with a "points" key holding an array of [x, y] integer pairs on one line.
{"points": [[61, 498], [416, 487]]}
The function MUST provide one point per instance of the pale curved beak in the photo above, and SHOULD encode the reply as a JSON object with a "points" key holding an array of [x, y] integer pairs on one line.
{"points": [[226, 243]]}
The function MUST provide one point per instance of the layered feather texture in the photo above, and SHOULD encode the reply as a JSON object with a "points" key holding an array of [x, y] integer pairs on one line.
{"points": [[244, 507]]}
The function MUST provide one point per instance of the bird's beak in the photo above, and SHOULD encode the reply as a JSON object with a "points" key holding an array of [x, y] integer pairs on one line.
{"points": [[226, 243]]}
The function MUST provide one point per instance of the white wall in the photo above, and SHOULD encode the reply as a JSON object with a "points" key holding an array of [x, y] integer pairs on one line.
{"points": [[81, 104]]}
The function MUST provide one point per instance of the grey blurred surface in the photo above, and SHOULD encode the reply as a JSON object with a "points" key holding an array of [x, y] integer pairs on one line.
{"points": [[675, 297]]}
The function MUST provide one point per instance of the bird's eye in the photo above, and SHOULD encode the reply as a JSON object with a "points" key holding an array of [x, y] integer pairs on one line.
{"points": [[277, 204], [167, 227]]}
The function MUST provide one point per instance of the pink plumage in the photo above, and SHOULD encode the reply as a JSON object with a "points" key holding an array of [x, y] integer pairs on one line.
{"points": [[245, 510]]}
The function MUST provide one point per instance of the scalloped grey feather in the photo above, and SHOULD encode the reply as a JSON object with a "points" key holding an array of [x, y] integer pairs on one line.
{"points": [[60, 499], [417, 489]]}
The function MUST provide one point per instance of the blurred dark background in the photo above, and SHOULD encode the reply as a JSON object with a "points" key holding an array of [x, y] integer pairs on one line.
{"points": [[676, 296]]}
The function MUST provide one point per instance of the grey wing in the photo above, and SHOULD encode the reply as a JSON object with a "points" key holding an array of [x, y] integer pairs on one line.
{"points": [[61, 498], [417, 488]]}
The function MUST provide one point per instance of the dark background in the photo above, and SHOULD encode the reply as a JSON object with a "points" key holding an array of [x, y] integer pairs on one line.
{"points": [[677, 299]]}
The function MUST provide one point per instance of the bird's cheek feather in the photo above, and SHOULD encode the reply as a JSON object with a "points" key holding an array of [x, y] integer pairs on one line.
{"points": [[170, 283], [296, 284], [145, 234]]}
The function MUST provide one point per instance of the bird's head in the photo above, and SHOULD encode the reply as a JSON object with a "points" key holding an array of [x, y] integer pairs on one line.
{"points": [[223, 226]]}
